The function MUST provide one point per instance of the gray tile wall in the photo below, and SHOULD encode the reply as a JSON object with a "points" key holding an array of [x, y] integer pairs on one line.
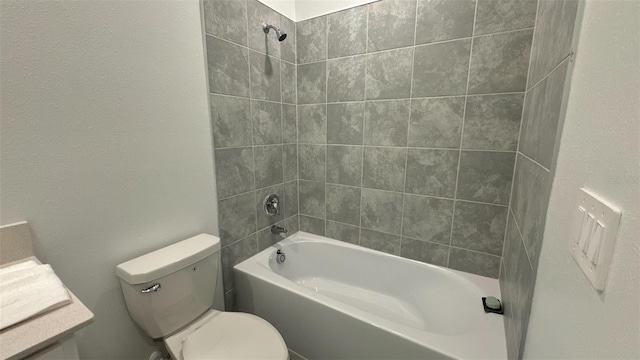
{"points": [[539, 134], [408, 121], [252, 84]]}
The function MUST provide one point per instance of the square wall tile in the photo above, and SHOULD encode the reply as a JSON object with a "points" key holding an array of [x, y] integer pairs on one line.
{"points": [[384, 168], [381, 211], [505, 15], [312, 124], [389, 74], [235, 254], [513, 244], [492, 122], [289, 85], [436, 122], [440, 20], [479, 227], [427, 218], [375, 240], [231, 120], [290, 162], [265, 77], [267, 122], [344, 165], [391, 24], [312, 225], [268, 165], [345, 123], [288, 46], [226, 19], [228, 64], [436, 254], [554, 34], [345, 79], [500, 62], [432, 172], [543, 109], [311, 161], [312, 40], [485, 176], [312, 84], [258, 14], [237, 217], [531, 189], [441, 69], [312, 198], [235, 171], [343, 204], [289, 124], [386, 122], [343, 232], [474, 262], [292, 224], [290, 190], [347, 31]]}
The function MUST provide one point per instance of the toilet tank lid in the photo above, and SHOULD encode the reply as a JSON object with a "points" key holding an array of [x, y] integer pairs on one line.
{"points": [[169, 259]]}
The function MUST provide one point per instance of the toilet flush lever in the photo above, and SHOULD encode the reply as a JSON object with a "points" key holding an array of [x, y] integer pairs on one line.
{"points": [[152, 288]]}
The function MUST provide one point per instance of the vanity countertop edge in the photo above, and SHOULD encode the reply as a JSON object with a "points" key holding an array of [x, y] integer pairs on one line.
{"points": [[43, 330]]}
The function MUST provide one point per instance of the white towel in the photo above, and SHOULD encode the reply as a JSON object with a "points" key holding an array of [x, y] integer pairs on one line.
{"points": [[27, 290]]}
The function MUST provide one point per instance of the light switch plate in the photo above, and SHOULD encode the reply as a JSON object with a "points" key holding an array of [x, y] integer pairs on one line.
{"points": [[593, 218]]}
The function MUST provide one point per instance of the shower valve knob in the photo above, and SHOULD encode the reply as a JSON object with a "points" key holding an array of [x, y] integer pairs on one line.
{"points": [[272, 205]]}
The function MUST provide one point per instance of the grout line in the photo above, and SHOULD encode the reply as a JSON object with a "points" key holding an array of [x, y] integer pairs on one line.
{"points": [[414, 43], [533, 161], [247, 46], [398, 147], [464, 112], [392, 99], [396, 192], [256, 146], [364, 121], [406, 147], [250, 98], [522, 243], [255, 233], [475, 251], [326, 122], [568, 57], [515, 166]]}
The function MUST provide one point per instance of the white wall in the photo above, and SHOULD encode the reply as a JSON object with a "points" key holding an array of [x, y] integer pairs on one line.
{"points": [[105, 143], [298, 10], [599, 149], [307, 9], [284, 7]]}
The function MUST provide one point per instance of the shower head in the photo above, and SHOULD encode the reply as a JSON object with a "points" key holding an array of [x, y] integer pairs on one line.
{"points": [[279, 33]]}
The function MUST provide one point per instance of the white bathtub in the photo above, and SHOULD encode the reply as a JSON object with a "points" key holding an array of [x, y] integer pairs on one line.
{"points": [[333, 300]]}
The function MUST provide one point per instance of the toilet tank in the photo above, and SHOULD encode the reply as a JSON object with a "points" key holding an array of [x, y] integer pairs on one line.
{"points": [[168, 288]]}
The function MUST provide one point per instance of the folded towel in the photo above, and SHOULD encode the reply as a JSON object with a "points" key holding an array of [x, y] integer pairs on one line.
{"points": [[28, 289]]}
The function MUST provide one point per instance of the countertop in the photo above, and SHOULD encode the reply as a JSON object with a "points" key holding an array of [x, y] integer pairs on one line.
{"points": [[43, 330]]}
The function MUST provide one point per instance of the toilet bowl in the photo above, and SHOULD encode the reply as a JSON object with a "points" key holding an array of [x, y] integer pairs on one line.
{"points": [[223, 335], [169, 293]]}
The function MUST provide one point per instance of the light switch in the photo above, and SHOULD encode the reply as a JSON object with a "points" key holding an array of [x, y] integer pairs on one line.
{"points": [[585, 231], [595, 242], [593, 236]]}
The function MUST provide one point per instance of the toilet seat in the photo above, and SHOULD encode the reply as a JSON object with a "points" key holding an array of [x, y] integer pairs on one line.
{"points": [[223, 335]]}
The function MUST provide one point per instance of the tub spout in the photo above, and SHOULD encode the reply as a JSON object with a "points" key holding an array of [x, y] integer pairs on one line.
{"points": [[279, 230]]}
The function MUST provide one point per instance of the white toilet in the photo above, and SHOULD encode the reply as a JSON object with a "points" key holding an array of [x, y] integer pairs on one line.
{"points": [[169, 293]]}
